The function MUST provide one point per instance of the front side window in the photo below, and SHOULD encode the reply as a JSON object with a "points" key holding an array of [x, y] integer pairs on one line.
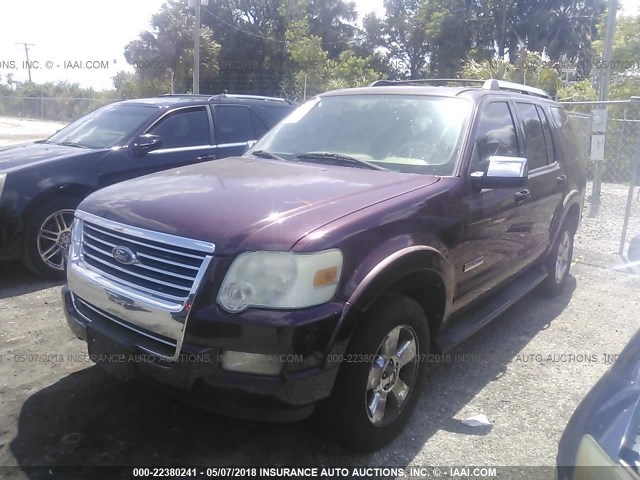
{"points": [[106, 127], [403, 133], [496, 135], [183, 128], [535, 145]]}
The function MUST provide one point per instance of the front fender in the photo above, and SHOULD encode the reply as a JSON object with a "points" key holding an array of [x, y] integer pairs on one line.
{"points": [[380, 271]]}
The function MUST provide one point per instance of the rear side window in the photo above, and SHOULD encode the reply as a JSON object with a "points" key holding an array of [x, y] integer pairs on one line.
{"points": [[272, 115], [183, 128], [560, 116], [259, 127], [233, 124], [535, 145], [496, 132]]}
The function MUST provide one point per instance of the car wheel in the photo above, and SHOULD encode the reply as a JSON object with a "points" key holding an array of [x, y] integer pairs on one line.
{"points": [[47, 237], [558, 262], [380, 377]]}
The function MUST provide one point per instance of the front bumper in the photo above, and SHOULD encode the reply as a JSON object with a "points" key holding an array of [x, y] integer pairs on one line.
{"points": [[196, 375]]}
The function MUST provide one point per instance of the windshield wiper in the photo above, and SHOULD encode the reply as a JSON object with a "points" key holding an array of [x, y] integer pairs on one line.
{"points": [[341, 158], [265, 154], [72, 144]]}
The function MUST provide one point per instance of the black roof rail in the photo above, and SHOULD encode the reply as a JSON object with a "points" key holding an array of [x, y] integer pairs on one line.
{"points": [[242, 96], [184, 95], [491, 84]]}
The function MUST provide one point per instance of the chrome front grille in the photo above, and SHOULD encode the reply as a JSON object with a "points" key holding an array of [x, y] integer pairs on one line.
{"points": [[165, 266]]}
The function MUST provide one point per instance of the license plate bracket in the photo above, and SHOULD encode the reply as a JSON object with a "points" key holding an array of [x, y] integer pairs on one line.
{"points": [[116, 357]]}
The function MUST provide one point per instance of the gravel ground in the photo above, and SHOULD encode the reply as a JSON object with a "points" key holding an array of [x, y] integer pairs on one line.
{"points": [[527, 372], [602, 232], [20, 130], [59, 410]]}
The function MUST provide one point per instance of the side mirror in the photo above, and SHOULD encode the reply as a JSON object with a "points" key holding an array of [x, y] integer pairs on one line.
{"points": [[146, 143], [502, 172]]}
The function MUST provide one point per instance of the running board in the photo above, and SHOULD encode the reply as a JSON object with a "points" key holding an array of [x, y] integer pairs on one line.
{"points": [[480, 315]]}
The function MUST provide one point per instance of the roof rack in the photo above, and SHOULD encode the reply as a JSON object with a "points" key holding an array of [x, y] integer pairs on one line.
{"points": [[211, 97], [201, 95], [240, 96], [428, 81], [491, 84], [514, 87]]}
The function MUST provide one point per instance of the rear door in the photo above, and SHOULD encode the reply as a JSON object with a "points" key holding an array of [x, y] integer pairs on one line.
{"points": [[496, 227], [547, 179], [235, 127]]}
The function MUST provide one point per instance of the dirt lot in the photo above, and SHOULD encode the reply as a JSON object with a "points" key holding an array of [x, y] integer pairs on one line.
{"points": [[20, 130], [57, 411]]}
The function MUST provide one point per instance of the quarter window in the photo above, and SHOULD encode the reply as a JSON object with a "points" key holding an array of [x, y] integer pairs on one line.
{"points": [[547, 134], [535, 145], [184, 128]]}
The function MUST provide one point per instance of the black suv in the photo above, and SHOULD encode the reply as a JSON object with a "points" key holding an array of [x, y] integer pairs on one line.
{"points": [[42, 183], [370, 229]]}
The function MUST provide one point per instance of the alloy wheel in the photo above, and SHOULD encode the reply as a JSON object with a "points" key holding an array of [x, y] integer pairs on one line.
{"points": [[563, 257], [54, 238], [392, 375]]}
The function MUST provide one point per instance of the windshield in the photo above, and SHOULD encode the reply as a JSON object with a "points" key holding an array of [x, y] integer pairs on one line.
{"points": [[408, 133], [104, 128]]}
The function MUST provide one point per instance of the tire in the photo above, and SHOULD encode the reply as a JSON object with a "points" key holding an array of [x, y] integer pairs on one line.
{"points": [[350, 417], [558, 263], [47, 237]]}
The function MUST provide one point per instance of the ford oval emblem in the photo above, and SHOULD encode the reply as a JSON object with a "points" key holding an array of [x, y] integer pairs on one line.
{"points": [[124, 255]]}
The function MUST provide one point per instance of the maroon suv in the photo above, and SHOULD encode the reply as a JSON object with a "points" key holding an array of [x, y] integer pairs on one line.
{"points": [[370, 229]]}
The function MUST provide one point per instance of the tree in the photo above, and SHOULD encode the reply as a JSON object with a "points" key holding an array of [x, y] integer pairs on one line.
{"points": [[333, 21], [529, 69], [402, 34], [165, 53], [311, 71]]}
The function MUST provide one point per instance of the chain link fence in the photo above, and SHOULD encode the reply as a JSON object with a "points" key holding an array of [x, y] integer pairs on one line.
{"points": [[45, 108], [613, 216]]}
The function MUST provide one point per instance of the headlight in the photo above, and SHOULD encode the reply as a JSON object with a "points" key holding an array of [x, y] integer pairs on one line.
{"points": [[76, 240], [280, 280], [3, 177]]}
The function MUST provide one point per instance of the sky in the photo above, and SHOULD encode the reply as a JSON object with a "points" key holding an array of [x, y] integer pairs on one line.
{"points": [[83, 42]]}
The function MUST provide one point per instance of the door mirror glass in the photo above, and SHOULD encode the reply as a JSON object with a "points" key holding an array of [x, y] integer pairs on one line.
{"points": [[146, 143], [502, 172]]}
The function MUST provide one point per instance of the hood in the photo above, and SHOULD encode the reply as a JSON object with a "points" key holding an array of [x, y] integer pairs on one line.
{"points": [[30, 154], [247, 204]]}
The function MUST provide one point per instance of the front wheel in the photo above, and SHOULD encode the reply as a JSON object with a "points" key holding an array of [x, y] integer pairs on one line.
{"points": [[381, 376], [47, 237]]}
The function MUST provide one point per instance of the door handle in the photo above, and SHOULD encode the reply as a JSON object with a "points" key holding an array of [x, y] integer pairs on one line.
{"points": [[522, 196], [562, 179], [206, 157]]}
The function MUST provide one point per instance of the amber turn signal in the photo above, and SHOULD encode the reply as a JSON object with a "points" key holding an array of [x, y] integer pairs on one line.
{"points": [[326, 276]]}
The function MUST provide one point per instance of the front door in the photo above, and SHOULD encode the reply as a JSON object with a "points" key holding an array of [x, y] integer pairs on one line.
{"points": [[186, 138], [495, 225]]}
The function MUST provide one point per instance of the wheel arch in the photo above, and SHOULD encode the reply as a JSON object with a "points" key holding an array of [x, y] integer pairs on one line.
{"points": [[421, 273], [72, 190]]}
